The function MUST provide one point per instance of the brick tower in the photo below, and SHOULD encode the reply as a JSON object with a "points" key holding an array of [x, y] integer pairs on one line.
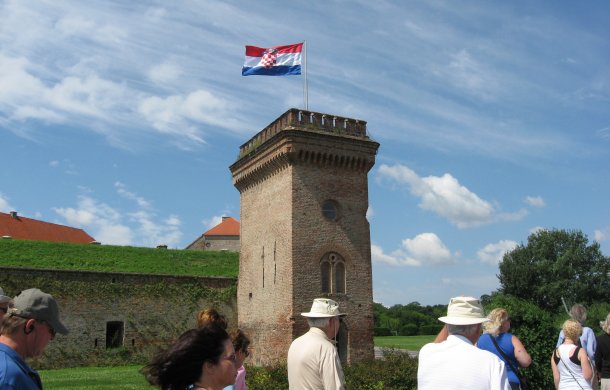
{"points": [[304, 234]]}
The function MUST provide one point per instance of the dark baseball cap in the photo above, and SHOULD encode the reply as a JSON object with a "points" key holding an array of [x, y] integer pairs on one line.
{"points": [[38, 305]]}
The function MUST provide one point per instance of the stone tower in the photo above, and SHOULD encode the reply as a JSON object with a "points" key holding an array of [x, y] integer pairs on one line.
{"points": [[304, 234]]}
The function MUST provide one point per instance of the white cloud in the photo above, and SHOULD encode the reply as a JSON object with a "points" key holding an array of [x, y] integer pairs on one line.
{"points": [[109, 225], [493, 253], [165, 72], [445, 196], [370, 213], [54, 163], [599, 235], [535, 201], [423, 249], [211, 222], [5, 206], [122, 190], [536, 229], [176, 114], [427, 248]]}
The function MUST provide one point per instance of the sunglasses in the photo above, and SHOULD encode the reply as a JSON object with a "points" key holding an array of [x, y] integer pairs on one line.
{"points": [[3, 309]]}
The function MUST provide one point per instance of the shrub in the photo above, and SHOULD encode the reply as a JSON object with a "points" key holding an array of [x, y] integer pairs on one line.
{"points": [[396, 371], [382, 332], [431, 329], [269, 377], [409, 330]]}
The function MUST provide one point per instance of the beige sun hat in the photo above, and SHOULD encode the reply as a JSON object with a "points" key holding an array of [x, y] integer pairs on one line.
{"points": [[464, 311], [323, 307]]}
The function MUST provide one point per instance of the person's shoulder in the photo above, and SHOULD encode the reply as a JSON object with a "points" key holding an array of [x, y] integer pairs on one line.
{"points": [[428, 348]]}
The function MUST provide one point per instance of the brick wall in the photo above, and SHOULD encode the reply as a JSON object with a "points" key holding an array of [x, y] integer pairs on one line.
{"points": [[283, 179]]}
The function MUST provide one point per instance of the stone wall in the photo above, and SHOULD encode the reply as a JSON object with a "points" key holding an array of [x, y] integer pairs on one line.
{"points": [[151, 309]]}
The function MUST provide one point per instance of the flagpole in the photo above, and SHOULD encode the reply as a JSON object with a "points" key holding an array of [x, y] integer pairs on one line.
{"points": [[305, 82]]}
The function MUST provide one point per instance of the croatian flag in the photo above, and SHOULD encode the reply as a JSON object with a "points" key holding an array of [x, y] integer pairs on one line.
{"points": [[274, 61]]}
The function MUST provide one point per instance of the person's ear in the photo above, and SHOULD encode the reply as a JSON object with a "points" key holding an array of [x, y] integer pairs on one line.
{"points": [[29, 326], [208, 367]]}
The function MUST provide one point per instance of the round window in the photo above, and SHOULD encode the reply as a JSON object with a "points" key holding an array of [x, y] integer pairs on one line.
{"points": [[330, 210]]}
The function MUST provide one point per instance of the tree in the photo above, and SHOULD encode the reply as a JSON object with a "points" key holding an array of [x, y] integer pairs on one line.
{"points": [[555, 264]]}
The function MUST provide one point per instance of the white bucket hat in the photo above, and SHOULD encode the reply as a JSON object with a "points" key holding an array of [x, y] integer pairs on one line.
{"points": [[4, 298], [323, 307], [464, 311]]}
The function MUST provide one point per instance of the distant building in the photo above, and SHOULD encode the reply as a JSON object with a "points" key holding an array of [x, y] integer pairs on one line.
{"points": [[222, 237], [13, 226]]}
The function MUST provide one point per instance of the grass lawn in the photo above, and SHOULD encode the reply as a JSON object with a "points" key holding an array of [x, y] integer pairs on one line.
{"points": [[97, 378], [412, 343]]}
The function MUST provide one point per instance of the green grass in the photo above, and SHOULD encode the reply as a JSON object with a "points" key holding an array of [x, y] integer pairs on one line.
{"points": [[412, 343], [107, 378], [109, 258]]}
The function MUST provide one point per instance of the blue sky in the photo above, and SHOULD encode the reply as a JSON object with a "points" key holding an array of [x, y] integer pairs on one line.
{"points": [[122, 118]]}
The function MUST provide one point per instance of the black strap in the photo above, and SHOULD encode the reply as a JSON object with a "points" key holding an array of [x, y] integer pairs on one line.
{"points": [[506, 359]]}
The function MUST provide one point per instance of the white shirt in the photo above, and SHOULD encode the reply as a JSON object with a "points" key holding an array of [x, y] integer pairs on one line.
{"points": [[457, 364], [313, 363]]}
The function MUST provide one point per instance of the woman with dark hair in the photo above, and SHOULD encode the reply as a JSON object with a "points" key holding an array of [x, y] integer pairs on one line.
{"points": [[201, 358]]}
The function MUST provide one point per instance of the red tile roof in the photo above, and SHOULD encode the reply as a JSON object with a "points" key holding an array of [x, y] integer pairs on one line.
{"points": [[21, 228], [228, 227]]}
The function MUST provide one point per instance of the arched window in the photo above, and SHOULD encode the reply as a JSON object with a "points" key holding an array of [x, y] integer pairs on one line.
{"points": [[332, 272]]}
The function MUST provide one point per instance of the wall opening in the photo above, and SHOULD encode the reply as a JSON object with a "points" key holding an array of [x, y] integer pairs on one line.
{"points": [[114, 334]]}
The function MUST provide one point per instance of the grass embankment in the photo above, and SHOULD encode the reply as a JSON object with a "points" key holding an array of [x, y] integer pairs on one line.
{"points": [[412, 343], [109, 258], [95, 378]]}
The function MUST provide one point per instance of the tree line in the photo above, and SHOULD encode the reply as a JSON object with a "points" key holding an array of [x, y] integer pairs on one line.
{"points": [[539, 281]]}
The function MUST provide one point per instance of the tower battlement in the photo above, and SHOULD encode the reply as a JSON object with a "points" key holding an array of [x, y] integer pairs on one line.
{"points": [[296, 119]]}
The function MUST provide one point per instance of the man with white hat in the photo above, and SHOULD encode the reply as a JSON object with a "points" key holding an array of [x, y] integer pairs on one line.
{"points": [[4, 300], [30, 323], [456, 363], [313, 361]]}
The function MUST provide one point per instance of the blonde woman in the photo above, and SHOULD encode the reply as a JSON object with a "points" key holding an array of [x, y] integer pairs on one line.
{"points": [[570, 364], [602, 354], [496, 329]]}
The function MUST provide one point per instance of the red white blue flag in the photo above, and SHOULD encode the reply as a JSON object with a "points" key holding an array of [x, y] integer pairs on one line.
{"points": [[273, 61]]}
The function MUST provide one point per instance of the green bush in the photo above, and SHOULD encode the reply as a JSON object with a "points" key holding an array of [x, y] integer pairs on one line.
{"points": [[409, 330], [537, 331], [396, 371], [270, 377], [430, 329], [382, 332]]}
